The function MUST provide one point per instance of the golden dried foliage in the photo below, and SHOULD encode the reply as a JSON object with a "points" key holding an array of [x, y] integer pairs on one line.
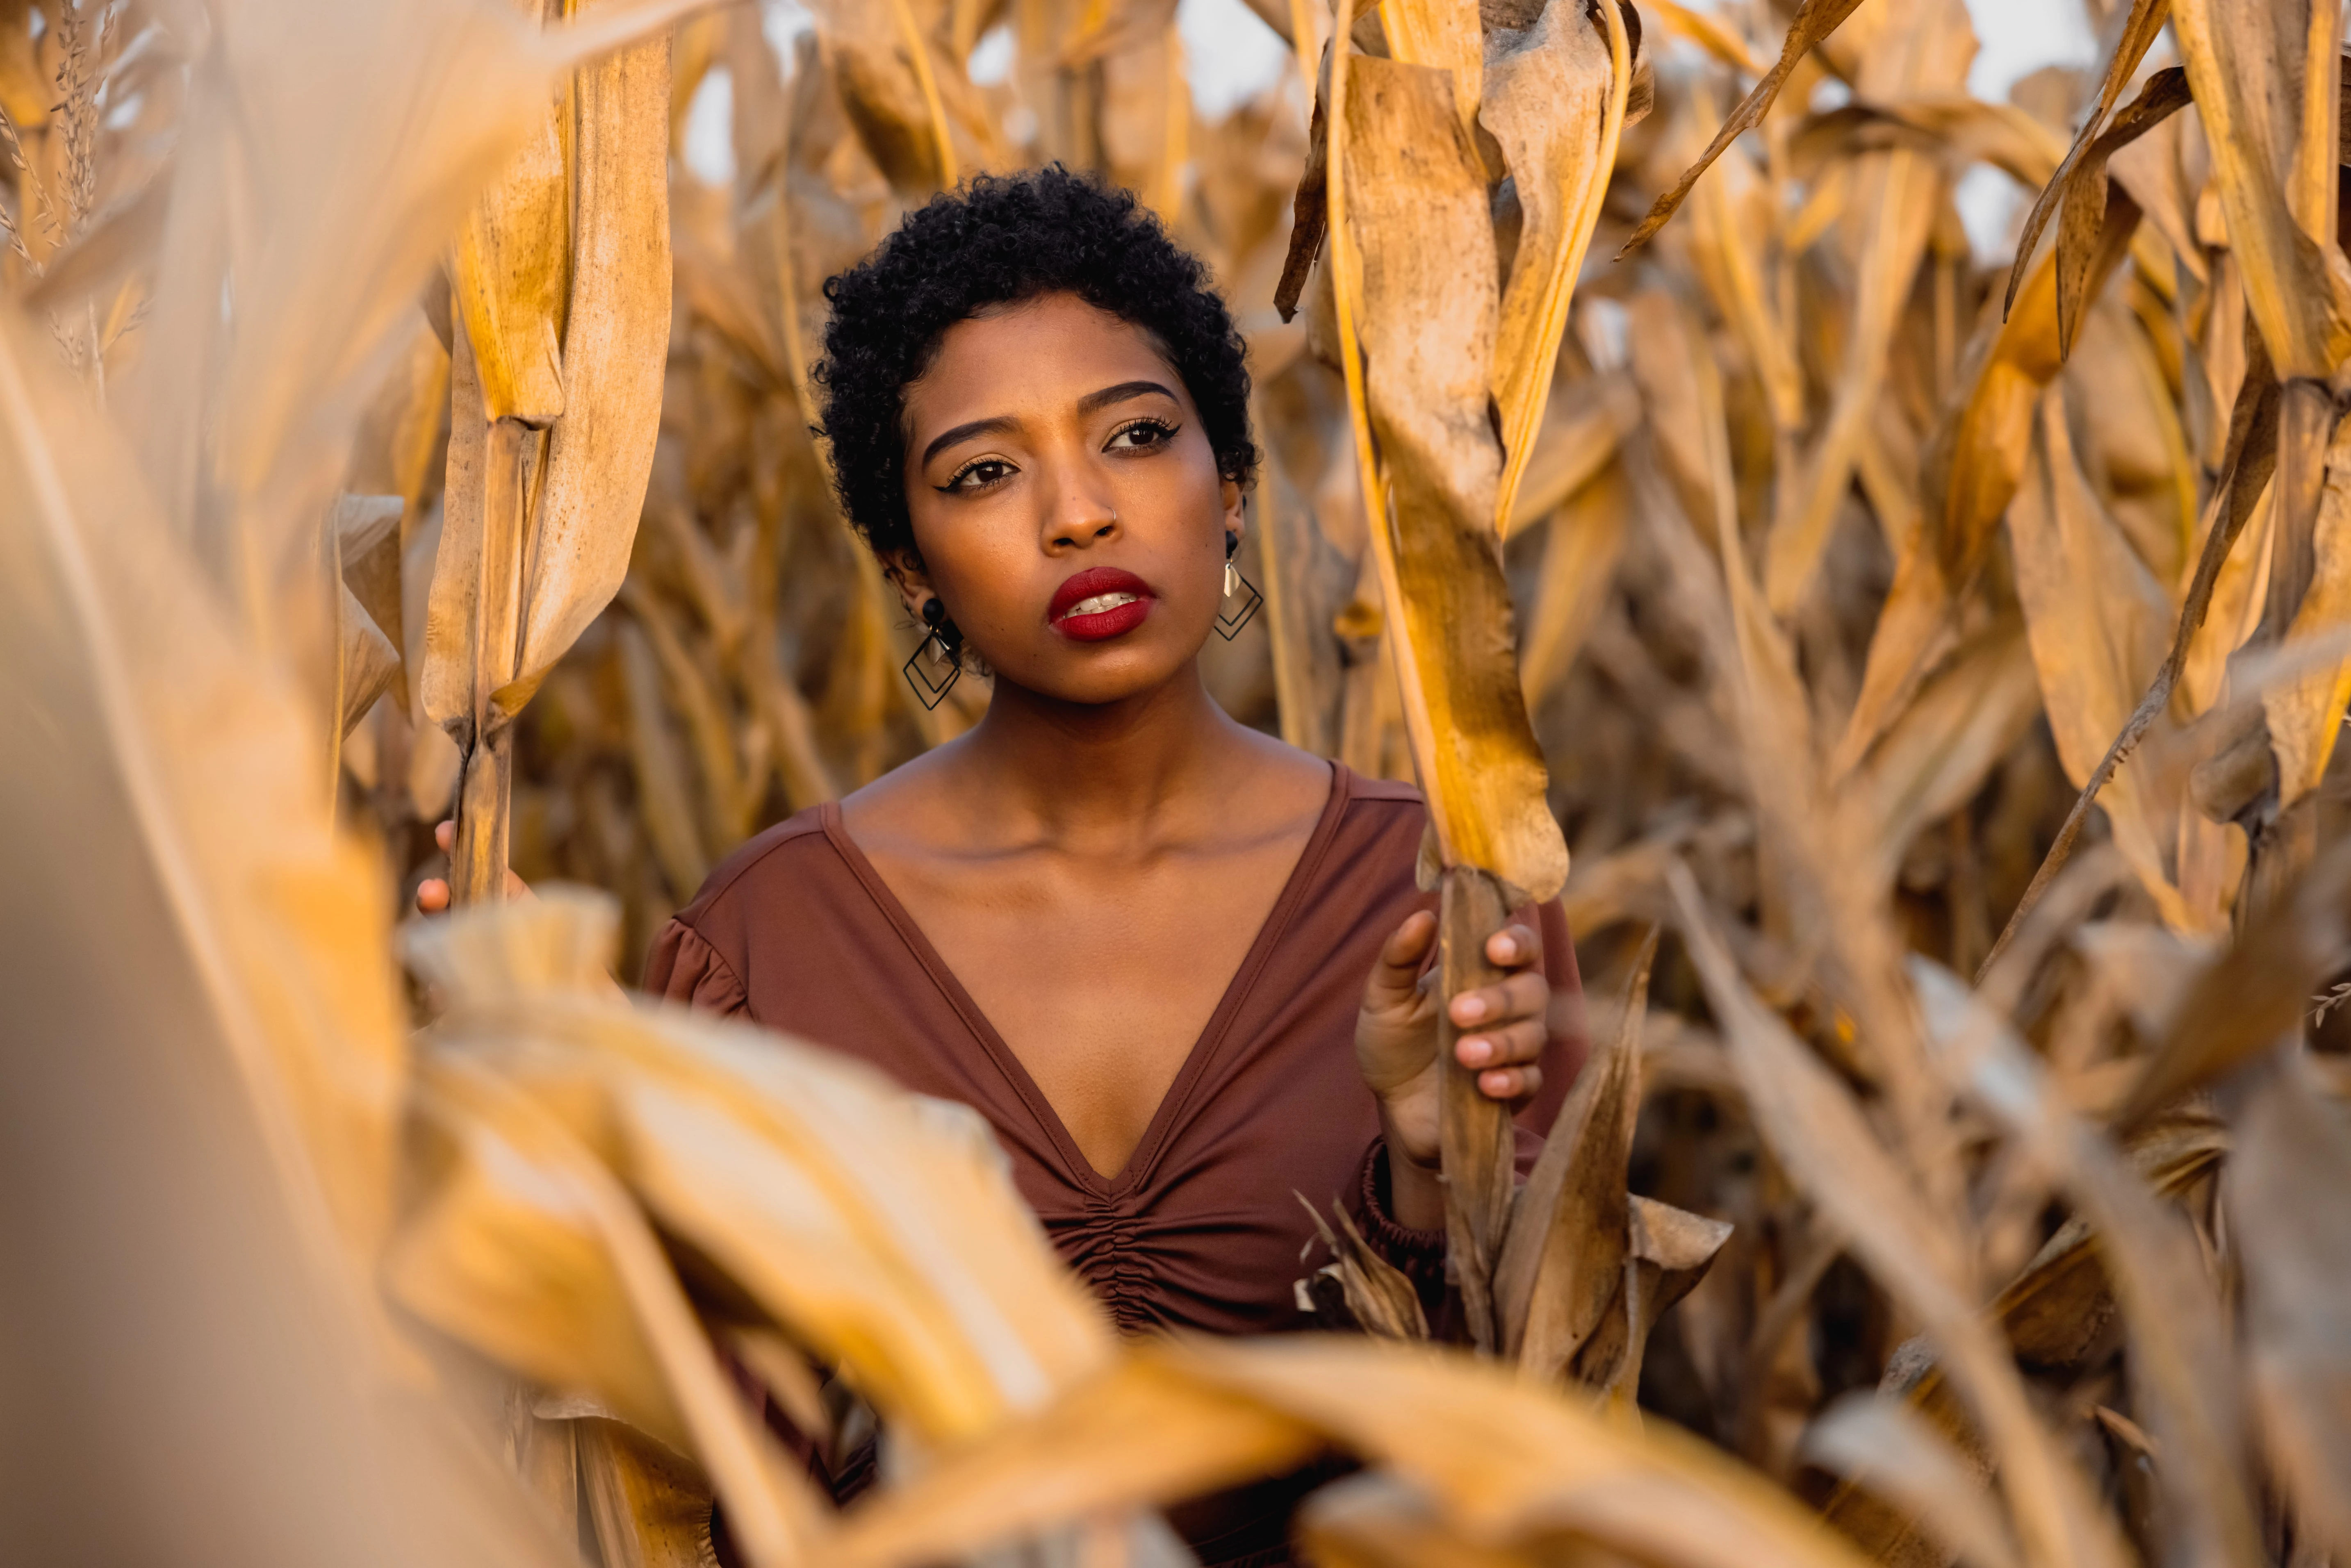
{"points": [[1934, 664]]}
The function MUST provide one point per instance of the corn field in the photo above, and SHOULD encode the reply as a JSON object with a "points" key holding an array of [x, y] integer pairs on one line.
{"points": [[1931, 673]]}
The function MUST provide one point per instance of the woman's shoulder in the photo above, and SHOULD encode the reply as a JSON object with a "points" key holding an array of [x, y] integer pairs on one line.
{"points": [[1385, 808], [797, 855], [1374, 838], [1380, 797], [704, 952]]}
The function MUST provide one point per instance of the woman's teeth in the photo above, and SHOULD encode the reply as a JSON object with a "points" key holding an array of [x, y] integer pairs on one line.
{"points": [[1100, 602]]}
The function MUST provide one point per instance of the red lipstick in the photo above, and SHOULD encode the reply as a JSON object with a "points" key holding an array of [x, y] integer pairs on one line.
{"points": [[1099, 603]]}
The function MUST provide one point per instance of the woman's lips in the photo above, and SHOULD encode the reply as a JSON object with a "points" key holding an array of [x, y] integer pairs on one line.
{"points": [[1099, 603]]}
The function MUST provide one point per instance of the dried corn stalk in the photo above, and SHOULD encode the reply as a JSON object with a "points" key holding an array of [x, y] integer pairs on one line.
{"points": [[562, 283], [1855, 771]]}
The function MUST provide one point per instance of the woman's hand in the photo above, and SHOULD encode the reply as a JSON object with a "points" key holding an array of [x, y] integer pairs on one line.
{"points": [[433, 892], [1396, 1047]]}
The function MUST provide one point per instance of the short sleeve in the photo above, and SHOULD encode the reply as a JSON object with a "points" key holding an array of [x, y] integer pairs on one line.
{"points": [[685, 967]]}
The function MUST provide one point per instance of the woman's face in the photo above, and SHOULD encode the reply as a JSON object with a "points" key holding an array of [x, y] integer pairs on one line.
{"points": [[1066, 503]]}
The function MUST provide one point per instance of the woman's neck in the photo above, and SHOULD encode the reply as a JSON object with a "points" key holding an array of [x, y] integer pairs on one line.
{"points": [[1078, 769]]}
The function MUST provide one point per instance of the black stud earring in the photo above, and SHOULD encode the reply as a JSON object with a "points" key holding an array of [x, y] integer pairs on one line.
{"points": [[1234, 616], [931, 689]]}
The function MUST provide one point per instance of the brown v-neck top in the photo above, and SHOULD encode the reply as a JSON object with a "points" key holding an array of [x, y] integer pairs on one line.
{"points": [[1201, 1230]]}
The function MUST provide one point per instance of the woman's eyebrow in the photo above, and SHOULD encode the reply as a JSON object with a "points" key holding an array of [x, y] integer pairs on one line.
{"points": [[1000, 423], [1095, 400], [995, 425]]}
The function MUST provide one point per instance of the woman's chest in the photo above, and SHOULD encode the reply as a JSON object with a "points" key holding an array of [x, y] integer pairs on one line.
{"points": [[1102, 980]]}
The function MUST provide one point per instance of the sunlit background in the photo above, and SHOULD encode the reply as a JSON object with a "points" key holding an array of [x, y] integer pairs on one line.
{"points": [[1234, 55]]}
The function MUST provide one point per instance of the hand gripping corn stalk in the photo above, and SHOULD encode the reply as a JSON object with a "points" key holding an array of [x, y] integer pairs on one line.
{"points": [[1448, 368], [558, 338]]}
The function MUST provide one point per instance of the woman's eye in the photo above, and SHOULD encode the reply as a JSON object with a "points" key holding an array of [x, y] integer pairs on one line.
{"points": [[980, 474], [1141, 433]]}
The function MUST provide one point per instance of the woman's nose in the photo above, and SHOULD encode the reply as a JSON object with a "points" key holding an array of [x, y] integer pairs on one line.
{"points": [[1080, 515]]}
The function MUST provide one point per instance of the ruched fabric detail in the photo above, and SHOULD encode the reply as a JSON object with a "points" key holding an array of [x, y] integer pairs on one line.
{"points": [[1102, 1247], [1202, 1230]]}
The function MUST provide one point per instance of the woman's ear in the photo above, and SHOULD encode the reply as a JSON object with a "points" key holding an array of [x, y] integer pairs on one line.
{"points": [[904, 569], [1235, 520]]}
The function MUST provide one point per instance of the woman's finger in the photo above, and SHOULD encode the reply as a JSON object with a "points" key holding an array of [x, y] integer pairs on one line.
{"points": [[1522, 996], [433, 892], [1395, 978], [445, 833], [1510, 1082], [1513, 947], [1505, 1047]]}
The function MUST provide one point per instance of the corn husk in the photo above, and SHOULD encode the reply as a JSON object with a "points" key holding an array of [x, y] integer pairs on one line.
{"points": [[563, 285]]}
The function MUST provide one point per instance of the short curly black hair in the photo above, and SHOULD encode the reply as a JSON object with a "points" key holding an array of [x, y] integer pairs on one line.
{"points": [[1000, 240]]}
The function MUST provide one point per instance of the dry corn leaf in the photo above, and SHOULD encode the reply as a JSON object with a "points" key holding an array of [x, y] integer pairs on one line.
{"points": [[883, 64], [528, 1251], [1894, 197], [1936, 756], [2139, 27], [648, 1509], [2293, 1162], [1727, 249], [1563, 1257], [937, 1286], [2249, 460], [1139, 1432], [2272, 137], [512, 276], [1416, 214], [363, 535], [2058, 1309], [2252, 996], [1581, 545], [1506, 1462], [660, 766], [1500, 1462], [1880, 1444], [1916, 630], [1820, 1134], [1582, 423], [1977, 457], [730, 791], [198, 1176], [542, 501], [1814, 20], [1555, 95], [2305, 714], [1377, 1521], [615, 345], [1444, 34], [2179, 1363], [2090, 664], [511, 1248], [2079, 187], [1710, 33], [1104, 27], [1378, 1295]]}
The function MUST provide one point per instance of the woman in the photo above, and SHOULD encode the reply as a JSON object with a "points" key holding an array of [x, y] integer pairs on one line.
{"points": [[1175, 962]]}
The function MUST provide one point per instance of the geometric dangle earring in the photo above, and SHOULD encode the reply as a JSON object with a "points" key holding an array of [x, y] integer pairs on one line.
{"points": [[1237, 614], [931, 688]]}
